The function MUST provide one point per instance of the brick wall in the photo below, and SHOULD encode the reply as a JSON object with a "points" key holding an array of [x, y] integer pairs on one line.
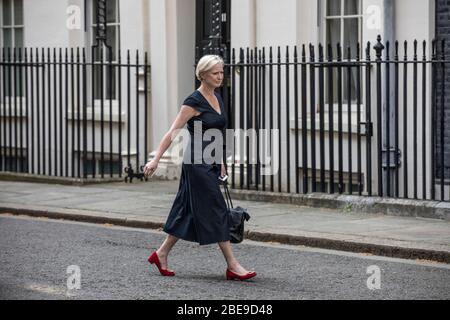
{"points": [[443, 32]]}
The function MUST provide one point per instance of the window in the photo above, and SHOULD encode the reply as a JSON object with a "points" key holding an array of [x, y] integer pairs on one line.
{"points": [[12, 23], [343, 21], [112, 40], [12, 37]]}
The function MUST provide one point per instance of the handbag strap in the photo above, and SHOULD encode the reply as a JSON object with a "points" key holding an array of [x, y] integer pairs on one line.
{"points": [[227, 192], [227, 195]]}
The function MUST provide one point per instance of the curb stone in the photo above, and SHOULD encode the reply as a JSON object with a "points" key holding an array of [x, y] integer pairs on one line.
{"points": [[324, 243]]}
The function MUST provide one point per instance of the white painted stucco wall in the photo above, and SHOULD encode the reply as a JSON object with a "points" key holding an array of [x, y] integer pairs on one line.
{"points": [[289, 22], [45, 23], [172, 25]]}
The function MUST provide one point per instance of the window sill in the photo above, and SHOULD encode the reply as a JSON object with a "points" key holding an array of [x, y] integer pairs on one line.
{"points": [[12, 110], [98, 116], [21, 113], [353, 127]]}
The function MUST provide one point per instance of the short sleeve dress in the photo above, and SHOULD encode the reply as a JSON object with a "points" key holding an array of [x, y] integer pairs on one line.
{"points": [[199, 211]]}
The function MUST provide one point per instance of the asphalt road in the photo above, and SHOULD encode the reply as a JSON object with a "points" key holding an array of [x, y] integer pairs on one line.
{"points": [[48, 259]]}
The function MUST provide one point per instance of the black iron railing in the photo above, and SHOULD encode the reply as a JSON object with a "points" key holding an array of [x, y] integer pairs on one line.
{"points": [[63, 114], [373, 126]]}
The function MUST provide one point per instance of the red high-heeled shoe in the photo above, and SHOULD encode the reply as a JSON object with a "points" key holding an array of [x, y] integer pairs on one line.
{"points": [[153, 259], [231, 275]]}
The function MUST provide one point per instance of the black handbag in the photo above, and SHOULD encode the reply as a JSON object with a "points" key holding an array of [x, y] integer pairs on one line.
{"points": [[236, 218]]}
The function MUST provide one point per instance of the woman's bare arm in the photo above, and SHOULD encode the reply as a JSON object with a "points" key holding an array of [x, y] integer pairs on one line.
{"points": [[183, 116]]}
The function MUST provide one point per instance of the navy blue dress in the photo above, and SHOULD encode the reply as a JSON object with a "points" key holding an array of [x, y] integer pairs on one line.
{"points": [[199, 211]]}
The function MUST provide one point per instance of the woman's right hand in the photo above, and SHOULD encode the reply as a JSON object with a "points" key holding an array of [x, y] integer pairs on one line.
{"points": [[150, 167]]}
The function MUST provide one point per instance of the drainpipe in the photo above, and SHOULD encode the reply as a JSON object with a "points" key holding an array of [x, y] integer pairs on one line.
{"points": [[389, 115]]}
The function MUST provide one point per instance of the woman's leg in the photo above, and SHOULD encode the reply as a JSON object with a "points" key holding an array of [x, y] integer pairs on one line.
{"points": [[232, 264], [164, 250]]}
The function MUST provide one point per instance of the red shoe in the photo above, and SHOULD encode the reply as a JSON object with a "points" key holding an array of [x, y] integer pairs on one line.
{"points": [[153, 259], [231, 275]]}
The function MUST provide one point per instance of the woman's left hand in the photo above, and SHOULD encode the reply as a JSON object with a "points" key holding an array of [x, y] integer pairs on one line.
{"points": [[222, 170]]}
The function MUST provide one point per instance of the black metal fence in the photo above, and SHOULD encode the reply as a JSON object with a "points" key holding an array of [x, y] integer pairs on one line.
{"points": [[63, 114], [348, 121]]}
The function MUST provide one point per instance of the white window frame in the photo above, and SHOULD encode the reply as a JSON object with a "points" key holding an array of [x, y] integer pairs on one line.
{"points": [[322, 34], [12, 26], [116, 25], [342, 17]]}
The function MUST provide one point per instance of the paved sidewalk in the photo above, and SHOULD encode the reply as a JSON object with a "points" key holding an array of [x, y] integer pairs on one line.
{"points": [[147, 204]]}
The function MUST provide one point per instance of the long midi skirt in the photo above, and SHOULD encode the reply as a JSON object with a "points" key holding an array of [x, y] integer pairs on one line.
{"points": [[199, 211]]}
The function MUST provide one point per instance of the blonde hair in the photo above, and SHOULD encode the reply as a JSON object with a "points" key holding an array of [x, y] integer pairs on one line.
{"points": [[206, 63]]}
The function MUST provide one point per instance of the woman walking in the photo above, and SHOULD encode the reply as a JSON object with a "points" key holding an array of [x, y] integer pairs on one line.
{"points": [[199, 211]]}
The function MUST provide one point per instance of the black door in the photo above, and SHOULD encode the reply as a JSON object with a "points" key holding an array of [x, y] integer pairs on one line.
{"points": [[213, 37], [212, 28]]}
